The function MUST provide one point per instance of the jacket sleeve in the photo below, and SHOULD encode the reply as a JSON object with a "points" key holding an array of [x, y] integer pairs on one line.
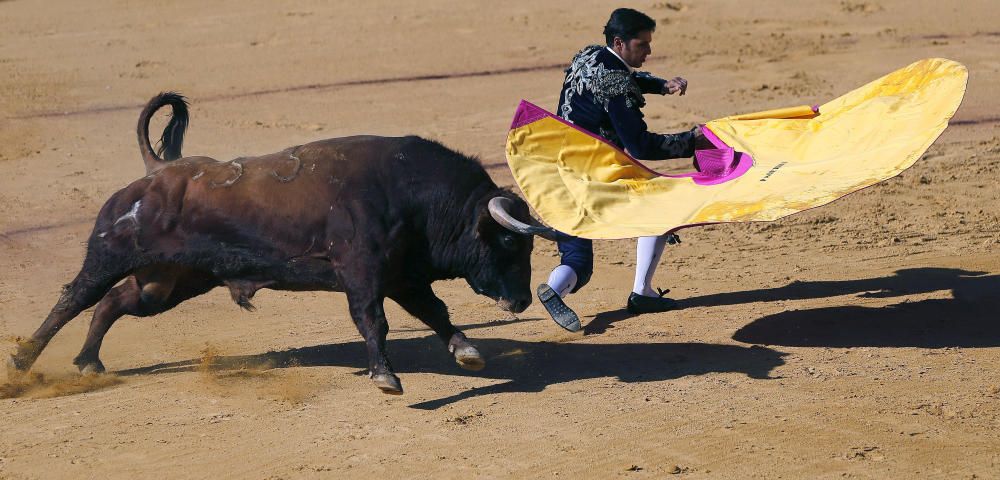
{"points": [[650, 83], [639, 141]]}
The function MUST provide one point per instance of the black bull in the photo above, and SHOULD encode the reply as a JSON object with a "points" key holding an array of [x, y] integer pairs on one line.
{"points": [[372, 217]]}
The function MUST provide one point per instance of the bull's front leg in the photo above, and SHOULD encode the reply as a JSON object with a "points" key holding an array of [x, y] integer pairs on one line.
{"points": [[421, 302], [368, 314]]}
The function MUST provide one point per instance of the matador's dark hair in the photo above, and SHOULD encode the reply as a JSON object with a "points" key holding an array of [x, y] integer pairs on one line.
{"points": [[626, 23]]}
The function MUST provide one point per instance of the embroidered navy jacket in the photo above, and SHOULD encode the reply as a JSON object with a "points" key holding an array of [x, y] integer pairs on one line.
{"points": [[602, 96]]}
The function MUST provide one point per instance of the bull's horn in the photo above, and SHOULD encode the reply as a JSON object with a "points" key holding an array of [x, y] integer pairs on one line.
{"points": [[498, 210]]}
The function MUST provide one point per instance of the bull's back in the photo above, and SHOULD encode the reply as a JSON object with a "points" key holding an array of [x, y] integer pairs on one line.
{"points": [[280, 202]]}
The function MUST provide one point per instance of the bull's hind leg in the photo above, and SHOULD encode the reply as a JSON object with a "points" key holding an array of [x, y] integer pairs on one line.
{"points": [[148, 292], [121, 300], [421, 302], [96, 277]]}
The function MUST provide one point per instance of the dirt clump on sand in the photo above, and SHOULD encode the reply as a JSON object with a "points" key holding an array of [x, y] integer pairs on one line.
{"points": [[226, 376], [39, 385]]}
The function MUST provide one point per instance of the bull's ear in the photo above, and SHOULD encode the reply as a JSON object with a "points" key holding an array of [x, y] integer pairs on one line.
{"points": [[485, 224]]}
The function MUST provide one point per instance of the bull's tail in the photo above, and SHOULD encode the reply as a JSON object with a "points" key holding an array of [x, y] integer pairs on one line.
{"points": [[173, 135]]}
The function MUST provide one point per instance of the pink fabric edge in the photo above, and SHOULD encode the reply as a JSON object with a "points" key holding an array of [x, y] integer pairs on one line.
{"points": [[528, 112]]}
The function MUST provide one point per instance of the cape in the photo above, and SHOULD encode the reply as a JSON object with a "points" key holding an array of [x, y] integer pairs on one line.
{"points": [[766, 165]]}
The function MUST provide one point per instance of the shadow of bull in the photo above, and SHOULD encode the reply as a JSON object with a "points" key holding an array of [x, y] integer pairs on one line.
{"points": [[523, 366], [969, 319]]}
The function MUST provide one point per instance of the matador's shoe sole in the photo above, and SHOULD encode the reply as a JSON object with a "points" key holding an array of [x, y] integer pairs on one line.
{"points": [[560, 313]]}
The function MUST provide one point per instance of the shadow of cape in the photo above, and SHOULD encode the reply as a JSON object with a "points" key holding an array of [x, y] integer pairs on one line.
{"points": [[522, 366], [973, 291], [970, 319]]}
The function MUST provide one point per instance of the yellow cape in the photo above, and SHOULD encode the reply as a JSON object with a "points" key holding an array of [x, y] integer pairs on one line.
{"points": [[782, 161]]}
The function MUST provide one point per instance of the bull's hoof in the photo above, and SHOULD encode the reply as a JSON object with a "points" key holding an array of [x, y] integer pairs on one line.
{"points": [[24, 357], [92, 367], [466, 355], [20, 362], [469, 358], [14, 371], [388, 383]]}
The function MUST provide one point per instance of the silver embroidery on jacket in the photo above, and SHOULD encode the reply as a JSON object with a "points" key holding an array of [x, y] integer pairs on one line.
{"points": [[587, 73]]}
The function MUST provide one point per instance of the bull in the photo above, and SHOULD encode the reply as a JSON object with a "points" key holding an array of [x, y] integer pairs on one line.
{"points": [[373, 217]]}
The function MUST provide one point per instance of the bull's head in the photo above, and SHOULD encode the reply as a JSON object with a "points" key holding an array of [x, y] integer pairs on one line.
{"points": [[503, 270]]}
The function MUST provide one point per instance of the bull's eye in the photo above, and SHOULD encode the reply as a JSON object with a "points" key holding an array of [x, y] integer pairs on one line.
{"points": [[507, 241]]}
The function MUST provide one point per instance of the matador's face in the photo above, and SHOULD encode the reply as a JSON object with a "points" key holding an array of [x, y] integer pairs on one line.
{"points": [[635, 51]]}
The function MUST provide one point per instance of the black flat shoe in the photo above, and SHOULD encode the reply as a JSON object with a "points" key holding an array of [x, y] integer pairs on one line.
{"points": [[563, 315], [638, 304]]}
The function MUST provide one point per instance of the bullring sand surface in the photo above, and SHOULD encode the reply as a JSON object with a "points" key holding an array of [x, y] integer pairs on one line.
{"points": [[858, 340]]}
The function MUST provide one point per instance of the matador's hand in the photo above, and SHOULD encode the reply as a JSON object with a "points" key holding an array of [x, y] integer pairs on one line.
{"points": [[675, 85]]}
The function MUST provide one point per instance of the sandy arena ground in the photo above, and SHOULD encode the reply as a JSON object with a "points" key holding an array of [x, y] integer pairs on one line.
{"points": [[859, 340]]}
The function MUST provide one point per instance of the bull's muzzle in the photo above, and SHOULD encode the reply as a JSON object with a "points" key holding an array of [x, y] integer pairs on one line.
{"points": [[516, 305]]}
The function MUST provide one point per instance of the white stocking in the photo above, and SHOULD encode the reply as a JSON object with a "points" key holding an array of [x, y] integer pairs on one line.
{"points": [[648, 251], [562, 280]]}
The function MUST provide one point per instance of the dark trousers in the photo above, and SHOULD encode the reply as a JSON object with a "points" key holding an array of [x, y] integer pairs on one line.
{"points": [[578, 254]]}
